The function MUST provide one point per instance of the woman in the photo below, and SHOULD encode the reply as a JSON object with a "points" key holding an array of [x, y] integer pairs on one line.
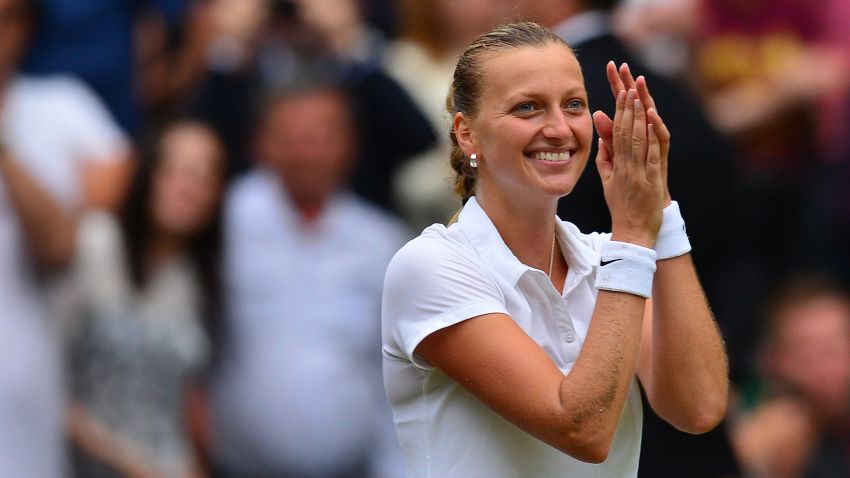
{"points": [[147, 311], [512, 342]]}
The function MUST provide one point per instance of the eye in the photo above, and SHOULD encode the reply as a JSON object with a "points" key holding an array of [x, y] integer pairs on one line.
{"points": [[525, 108], [575, 104]]}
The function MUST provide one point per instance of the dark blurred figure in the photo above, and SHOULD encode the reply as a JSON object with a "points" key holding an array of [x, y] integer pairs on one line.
{"points": [[772, 75], [146, 314], [95, 40], [292, 46], [300, 393], [800, 426], [59, 154], [432, 33], [702, 179]]}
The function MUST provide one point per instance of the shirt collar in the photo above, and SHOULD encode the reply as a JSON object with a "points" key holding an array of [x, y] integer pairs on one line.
{"points": [[488, 243], [584, 26]]}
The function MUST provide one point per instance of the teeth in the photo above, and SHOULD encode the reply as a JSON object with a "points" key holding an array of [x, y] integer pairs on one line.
{"points": [[552, 156]]}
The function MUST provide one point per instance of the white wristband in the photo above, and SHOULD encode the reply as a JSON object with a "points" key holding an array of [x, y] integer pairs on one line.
{"points": [[626, 267], [672, 237]]}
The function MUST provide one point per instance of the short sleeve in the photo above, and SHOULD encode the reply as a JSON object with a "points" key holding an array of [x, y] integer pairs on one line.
{"points": [[96, 135], [432, 284]]}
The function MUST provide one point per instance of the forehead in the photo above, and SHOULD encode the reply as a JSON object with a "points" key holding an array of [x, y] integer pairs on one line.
{"points": [[531, 70], [822, 317]]}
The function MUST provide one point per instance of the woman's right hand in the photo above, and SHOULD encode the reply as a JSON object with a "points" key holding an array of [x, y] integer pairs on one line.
{"points": [[631, 174]]}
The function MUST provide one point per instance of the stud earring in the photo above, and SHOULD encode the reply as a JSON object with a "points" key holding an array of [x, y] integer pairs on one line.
{"points": [[473, 160]]}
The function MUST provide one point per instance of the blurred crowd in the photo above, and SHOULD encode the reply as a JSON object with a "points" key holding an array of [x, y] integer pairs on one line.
{"points": [[198, 200]]}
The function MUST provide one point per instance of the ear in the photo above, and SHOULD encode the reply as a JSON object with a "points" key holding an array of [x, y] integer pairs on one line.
{"points": [[463, 133]]}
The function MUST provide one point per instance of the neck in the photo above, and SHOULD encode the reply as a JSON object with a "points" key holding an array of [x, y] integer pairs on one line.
{"points": [[162, 248], [309, 210], [527, 229]]}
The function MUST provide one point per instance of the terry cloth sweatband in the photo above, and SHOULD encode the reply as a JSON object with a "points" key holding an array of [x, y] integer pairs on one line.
{"points": [[673, 237], [626, 267]]}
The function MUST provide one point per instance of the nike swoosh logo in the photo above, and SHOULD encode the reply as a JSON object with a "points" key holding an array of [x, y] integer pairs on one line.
{"points": [[605, 263]]}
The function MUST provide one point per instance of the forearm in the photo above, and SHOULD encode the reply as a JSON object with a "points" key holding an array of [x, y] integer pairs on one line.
{"points": [[49, 231], [99, 443], [688, 382], [594, 392]]}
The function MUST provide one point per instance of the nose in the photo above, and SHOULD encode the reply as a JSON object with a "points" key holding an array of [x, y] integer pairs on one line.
{"points": [[557, 128]]}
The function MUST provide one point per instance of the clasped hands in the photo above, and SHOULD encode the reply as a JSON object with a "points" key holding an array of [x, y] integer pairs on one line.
{"points": [[632, 159]]}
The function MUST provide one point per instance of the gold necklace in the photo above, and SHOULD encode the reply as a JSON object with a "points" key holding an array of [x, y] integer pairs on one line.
{"points": [[552, 256]]}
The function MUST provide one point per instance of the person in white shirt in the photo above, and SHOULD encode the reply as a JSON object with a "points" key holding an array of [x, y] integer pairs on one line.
{"points": [[299, 391], [513, 343], [60, 152]]}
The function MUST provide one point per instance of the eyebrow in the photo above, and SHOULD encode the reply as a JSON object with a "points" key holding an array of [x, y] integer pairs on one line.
{"points": [[531, 94]]}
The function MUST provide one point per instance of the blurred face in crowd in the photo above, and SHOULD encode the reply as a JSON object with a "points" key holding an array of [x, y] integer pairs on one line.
{"points": [[187, 181], [533, 128], [308, 139], [329, 16], [812, 352], [461, 21]]}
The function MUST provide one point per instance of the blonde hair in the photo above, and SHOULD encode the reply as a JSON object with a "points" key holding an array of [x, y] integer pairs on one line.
{"points": [[465, 90]]}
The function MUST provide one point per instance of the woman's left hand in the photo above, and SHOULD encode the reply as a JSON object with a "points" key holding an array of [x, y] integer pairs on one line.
{"points": [[621, 80]]}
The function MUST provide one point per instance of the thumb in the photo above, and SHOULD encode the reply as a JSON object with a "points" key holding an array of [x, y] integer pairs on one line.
{"points": [[603, 161], [604, 127]]}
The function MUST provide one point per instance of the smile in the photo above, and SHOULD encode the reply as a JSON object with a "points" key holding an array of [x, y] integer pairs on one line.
{"points": [[553, 157]]}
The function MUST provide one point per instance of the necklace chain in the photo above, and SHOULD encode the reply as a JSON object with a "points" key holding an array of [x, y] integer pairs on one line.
{"points": [[552, 256]]}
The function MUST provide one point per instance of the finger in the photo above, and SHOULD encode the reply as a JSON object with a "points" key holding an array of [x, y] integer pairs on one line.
{"points": [[663, 136], [639, 139], [604, 128], [661, 130], [614, 78], [626, 76], [625, 149], [653, 157], [643, 93], [617, 128], [603, 161]]}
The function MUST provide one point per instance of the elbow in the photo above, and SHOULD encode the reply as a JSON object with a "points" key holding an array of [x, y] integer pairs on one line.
{"points": [[704, 418], [594, 454], [709, 417], [589, 445]]}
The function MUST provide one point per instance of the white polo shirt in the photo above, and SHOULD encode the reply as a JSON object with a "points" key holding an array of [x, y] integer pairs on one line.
{"points": [[447, 275]]}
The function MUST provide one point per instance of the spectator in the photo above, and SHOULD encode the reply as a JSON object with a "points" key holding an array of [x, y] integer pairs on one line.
{"points": [[60, 153], [422, 60], [801, 426], [290, 49], [94, 41], [300, 393], [148, 285], [753, 62]]}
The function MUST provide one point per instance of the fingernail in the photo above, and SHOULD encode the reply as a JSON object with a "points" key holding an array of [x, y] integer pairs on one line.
{"points": [[631, 94], [637, 104]]}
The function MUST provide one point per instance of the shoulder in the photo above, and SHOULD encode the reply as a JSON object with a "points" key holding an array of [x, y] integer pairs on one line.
{"points": [[374, 221], [250, 191], [437, 248], [60, 91], [433, 282], [437, 272]]}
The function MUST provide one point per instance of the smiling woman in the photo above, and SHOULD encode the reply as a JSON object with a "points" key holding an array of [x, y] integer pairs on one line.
{"points": [[512, 342]]}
